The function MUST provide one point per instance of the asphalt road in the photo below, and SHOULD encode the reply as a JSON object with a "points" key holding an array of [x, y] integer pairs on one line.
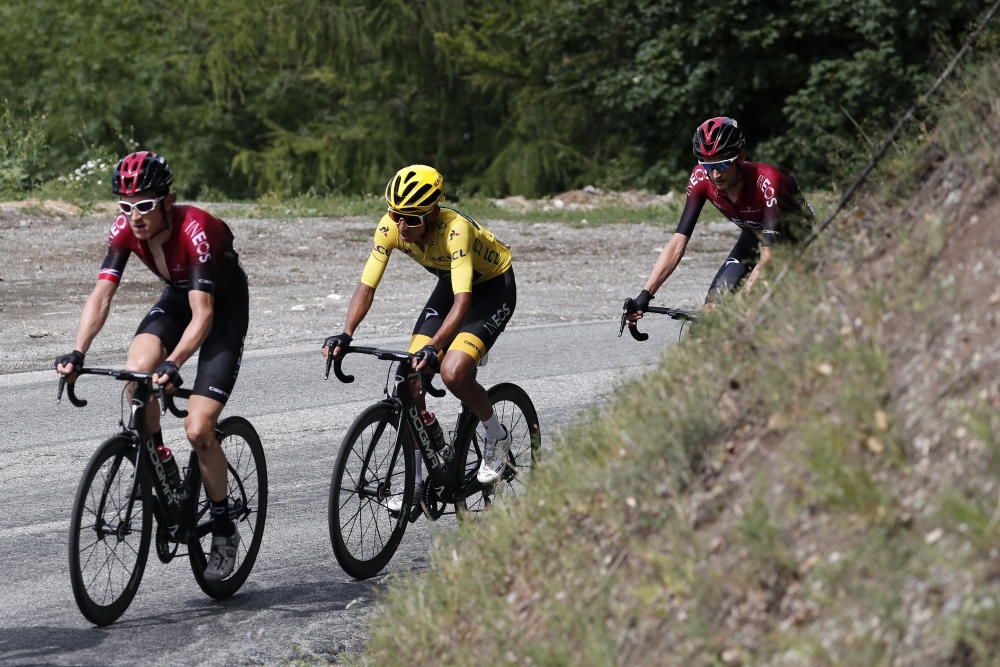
{"points": [[297, 601]]}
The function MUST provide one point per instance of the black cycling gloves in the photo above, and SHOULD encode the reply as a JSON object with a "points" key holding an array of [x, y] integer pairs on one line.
{"points": [[430, 355], [170, 369], [340, 340], [642, 301], [75, 358]]}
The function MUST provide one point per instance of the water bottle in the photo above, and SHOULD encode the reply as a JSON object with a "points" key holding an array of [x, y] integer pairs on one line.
{"points": [[169, 467], [438, 442]]}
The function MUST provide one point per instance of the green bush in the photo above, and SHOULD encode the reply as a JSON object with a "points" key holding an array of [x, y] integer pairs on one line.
{"points": [[23, 148]]}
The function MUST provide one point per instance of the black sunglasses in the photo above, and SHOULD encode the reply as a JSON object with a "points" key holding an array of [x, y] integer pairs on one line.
{"points": [[408, 220]]}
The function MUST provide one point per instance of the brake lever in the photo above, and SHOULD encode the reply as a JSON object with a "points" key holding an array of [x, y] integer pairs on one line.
{"points": [[633, 327]]}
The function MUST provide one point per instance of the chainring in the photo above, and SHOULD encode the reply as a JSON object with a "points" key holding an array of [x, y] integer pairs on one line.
{"points": [[166, 548], [432, 505]]}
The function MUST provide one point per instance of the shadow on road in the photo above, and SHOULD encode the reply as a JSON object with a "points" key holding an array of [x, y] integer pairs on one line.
{"points": [[20, 646]]}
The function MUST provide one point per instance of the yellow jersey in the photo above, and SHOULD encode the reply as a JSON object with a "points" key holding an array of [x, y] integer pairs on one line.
{"points": [[455, 244]]}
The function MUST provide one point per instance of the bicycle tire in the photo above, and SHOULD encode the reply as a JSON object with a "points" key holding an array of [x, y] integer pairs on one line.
{"points": [[105, 506], [372, 444], [516, 412], [247, 482]]}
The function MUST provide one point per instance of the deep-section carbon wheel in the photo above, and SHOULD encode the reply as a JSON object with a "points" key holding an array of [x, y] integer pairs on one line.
{"points": [[247, 481], [373, 466], [516, 412], [109, 532]]}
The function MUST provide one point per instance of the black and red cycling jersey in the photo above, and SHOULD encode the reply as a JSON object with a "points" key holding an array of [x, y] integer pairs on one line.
{"points": [[195, 253], [770, 203]]}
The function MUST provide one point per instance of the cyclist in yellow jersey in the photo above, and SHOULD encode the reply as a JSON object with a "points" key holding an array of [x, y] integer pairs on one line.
{"points": [[470, 306]]}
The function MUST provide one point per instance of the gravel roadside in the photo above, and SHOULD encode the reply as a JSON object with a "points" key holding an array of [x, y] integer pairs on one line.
{"points": [[304, 270]]}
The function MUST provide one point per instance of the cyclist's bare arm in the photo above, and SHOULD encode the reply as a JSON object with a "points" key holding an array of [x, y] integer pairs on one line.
{"points": [[357, 309], [668, 260], [361, 303], [95, 313], [665, 264]]}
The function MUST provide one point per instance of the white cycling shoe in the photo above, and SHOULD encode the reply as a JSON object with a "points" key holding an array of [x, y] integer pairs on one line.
{"points": [[494, 458], [223, 557], [395, 503]]}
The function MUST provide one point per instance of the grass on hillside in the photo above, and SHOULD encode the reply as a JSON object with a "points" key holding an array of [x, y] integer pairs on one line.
{"points": [[758, 498]]}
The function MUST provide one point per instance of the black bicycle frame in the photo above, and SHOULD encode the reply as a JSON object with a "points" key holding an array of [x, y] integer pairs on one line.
{"points": [[403, 405], [170, 506]]}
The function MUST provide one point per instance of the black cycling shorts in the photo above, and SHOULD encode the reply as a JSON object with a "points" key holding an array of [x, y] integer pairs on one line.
{"points": [[741, 261], [220, 354], [493, 304]]}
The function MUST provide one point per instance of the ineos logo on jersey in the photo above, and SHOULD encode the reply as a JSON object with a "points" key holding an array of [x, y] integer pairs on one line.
{"points": [[767, 189], [196, 232], [119, 224], [697, 176]]}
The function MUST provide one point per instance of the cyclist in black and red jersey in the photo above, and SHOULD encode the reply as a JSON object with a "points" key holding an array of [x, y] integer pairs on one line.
{"points": [[204, 304], [759, 198]]}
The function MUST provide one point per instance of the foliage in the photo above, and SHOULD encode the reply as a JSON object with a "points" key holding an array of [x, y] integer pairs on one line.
{"points": [[296, 97], [22, 151]]}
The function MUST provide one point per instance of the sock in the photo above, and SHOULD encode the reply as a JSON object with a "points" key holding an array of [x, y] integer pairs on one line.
{"points": [[222, 525], [158, 439], [494, 429]]}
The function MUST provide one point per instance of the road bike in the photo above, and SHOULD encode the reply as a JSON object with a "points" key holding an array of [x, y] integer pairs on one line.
{"points": [[684, 316], [388, 440], [126, 485]]}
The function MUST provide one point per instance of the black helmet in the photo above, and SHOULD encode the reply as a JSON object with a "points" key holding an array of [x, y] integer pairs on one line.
{"points": [[143, 171], [718, 139]]}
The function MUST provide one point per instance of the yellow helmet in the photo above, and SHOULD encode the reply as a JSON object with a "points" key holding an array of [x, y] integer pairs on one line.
{"points": [[415, 190]]}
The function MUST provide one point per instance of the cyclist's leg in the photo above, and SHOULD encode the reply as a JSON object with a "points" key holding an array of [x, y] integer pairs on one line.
{"points": [[738, 265], [218, 367], [493, 304], [430, 320], [156, 335]]}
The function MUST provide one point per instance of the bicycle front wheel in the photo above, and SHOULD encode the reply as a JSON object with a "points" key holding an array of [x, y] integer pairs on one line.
{"points": [[109, 532], [372, 467], [516, 412], [247, 490]]}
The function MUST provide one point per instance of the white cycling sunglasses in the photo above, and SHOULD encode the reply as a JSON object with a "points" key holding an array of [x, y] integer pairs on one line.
{"points": [[145, 206]]}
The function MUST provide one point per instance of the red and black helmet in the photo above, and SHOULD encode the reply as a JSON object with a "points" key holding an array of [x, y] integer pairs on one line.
{"points": [[142, 171], [718, 139]]}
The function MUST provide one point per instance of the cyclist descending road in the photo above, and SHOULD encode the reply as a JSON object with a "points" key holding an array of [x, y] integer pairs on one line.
{"points": [[204, 304], [469, 307], [759, 198]]}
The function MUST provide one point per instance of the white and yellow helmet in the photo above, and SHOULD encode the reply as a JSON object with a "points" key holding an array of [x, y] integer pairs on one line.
{"points": [[415, 190]]}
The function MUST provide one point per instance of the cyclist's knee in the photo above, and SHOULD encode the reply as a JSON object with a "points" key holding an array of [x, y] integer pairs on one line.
{"points": [[200, 431], [456, 371], [145, 353]]}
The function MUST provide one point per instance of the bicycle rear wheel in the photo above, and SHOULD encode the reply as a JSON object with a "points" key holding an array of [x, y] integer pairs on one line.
{"points": [[516, 412], [247, 482], [373, 465], [109, 532]]}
